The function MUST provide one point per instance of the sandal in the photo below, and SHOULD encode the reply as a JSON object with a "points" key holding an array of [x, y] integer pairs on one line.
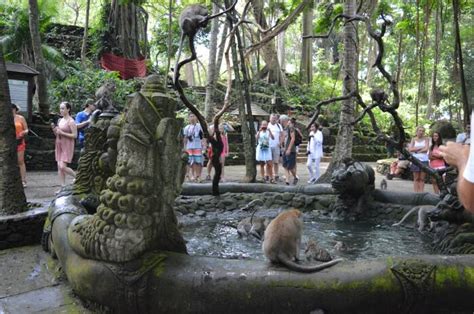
{"points": [[24, 184], [272, 181]]}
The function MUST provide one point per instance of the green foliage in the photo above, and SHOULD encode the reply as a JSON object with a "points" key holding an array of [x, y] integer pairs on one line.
{"points": [[80, 85]]}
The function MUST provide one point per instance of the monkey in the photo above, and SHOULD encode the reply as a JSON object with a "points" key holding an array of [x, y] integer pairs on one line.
{"points": [[422, 220], [340, 246], [254, 226], [191, 19], [103, 97], [314, 252], [250, 225], [378, 96], [383, 184], [282, 240]]}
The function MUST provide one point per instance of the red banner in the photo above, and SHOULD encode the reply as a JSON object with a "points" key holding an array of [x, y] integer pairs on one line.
{"points": [[128, 68]]}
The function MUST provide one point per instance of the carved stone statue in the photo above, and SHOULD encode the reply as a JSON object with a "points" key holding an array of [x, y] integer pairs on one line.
{"points": [[354, 182], [135, 213]]}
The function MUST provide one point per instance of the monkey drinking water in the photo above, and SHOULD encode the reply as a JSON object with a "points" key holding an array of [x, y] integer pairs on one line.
{"points": [[282, 240], [254, 226], [423, 220]]}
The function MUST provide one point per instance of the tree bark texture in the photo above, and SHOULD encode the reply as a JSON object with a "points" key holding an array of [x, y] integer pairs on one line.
{"points": [[212, 69], [269, 52], [12, 196], [170, 39], [465, 103], [343, 148], [220, 53], [306, 67], [41, 83], [433, 98], [281, 51], [126, 29], [86, 34], [246, 119]]}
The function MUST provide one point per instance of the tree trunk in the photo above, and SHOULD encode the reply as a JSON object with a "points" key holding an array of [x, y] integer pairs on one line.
{"points": [[433, 99], [371, 56], [465, 104], [281, 51], [343, 147], [189, 74], [269, 53], [220, 53], [399, 63], [306, 68], [12, 196], [125, 32], [86, 34], [211, 72], [246, 120], [39, 60], [170, 39]]}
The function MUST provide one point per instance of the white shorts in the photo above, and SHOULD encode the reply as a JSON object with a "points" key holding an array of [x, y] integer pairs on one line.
{"points": [[276, 154]]}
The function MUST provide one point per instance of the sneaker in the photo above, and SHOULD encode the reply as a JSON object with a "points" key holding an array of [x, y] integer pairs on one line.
{"points": [[208, 178], [310, 181], [295, 181], [277, 178]]}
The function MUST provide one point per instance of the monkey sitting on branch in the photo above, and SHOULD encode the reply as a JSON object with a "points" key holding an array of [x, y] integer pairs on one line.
{"points": [[191, 19]]}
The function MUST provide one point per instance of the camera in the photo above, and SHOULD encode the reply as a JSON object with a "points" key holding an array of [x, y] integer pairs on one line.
{"points": [[190, 138]]}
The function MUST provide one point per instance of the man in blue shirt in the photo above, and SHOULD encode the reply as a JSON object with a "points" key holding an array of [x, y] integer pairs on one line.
{"points": [[83, 120]]}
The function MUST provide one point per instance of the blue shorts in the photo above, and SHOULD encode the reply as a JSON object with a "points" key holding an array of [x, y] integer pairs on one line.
{"points": [[289, 161], [415, 168]]}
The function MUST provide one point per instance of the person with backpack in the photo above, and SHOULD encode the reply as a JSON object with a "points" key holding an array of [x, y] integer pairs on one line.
{"points": [[289, 151]]}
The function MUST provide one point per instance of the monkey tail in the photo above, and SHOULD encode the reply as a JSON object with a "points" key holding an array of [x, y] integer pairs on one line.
{"points": [[307, 269], [406, 216]]}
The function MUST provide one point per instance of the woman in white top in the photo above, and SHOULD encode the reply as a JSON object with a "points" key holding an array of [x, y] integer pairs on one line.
{"points": [[419, 147], [315, 152], [264, 153]]}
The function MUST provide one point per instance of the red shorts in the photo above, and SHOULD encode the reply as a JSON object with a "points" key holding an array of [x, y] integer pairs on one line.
{"points": [[21, 147]]}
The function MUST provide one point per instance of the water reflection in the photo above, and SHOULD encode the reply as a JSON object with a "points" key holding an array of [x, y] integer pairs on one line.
{"points": [[214, 236]]}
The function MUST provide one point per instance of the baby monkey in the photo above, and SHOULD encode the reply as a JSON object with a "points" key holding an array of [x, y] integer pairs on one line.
{"points": [[282, 240], [314, 252]]}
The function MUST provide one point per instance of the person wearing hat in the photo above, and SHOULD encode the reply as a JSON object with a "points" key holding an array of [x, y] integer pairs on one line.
{"points": [[83, 120], [21, 130]]}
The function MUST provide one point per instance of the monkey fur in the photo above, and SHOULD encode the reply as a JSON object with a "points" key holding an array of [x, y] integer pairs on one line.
{"points": [[423, 220], [314, 252], [383, 184], [282, 240]]}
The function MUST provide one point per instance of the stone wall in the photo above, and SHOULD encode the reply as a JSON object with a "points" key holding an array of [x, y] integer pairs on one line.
{"points": [[22, 229]]}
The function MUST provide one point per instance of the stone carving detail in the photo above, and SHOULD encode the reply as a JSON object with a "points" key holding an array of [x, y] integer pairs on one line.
{"points": [[354, 183], [136, 208], [417, 281]]}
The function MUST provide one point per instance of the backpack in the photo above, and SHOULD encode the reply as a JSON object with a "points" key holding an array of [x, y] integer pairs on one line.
{"points": [[298, 138]]}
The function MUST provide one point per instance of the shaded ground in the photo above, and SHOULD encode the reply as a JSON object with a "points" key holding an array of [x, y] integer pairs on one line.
{"points": [[30, 279]]}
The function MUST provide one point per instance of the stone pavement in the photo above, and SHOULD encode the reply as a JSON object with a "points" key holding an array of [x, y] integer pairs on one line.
{"points": [[31, 281]]}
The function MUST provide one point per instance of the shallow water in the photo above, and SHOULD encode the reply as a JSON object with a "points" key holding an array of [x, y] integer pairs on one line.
{"points": [[215, 236]]}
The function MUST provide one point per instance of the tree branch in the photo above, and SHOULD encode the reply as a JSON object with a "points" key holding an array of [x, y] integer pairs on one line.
{"points": [[280, 28], [326, 102]]}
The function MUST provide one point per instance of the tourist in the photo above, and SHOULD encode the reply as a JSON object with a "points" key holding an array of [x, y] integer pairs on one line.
{"points": [[465, 137], [21, 130], [462, 157], [193, 141], [83, 120], [419, 147], [315, 152], [435, 157], [66, 133], [289, 151], [223, 127], [264, 153], [275, 143]]}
